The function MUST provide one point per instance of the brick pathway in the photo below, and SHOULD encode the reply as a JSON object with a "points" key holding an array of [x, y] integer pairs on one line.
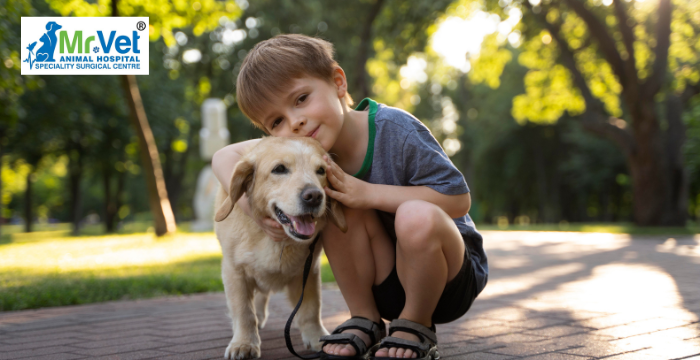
{"points": [[550, 296]]}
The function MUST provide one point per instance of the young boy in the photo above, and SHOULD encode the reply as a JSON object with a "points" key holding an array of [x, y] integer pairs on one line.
{"points": [[411, 251]]}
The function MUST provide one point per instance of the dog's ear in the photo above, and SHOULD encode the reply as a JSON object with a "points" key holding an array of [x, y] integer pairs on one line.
{"points": [[336, 215], [240, 181]]}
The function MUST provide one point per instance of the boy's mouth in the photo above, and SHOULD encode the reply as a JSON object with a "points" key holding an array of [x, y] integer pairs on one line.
{"points": [[313, 132], [302, 226]]}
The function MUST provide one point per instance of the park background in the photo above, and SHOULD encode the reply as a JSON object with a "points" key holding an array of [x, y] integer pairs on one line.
{"points": [[562, 115]]}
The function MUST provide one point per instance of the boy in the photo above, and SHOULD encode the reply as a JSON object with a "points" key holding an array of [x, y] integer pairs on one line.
{"points": [[411, 252]]}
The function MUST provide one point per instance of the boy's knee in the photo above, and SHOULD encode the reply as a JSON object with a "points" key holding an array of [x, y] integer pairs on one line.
{"points": [[415, 222]]}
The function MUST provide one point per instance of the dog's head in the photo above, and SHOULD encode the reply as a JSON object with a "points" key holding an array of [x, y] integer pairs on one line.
{"points": [[52, 26], [284, 179]]}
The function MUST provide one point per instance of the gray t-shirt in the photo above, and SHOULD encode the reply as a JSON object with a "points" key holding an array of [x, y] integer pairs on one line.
{"points": [[403, 152]]}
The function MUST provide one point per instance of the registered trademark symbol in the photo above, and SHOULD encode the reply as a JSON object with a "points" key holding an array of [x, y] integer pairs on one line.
{"points": [[140, 25]]}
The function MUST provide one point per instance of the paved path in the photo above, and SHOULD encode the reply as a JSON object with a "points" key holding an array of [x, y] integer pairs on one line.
{"points": [[550, 296]]}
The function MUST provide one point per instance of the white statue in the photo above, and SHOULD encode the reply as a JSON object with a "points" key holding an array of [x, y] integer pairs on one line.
{"points": [[213, 136]]}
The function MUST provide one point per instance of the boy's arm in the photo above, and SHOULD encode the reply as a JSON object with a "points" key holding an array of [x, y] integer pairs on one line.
{"points": [[389, 197], [355, 193], [224, 161]]}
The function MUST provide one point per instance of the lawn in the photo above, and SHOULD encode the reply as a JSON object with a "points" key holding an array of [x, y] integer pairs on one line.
{"points": [[51, 268]]}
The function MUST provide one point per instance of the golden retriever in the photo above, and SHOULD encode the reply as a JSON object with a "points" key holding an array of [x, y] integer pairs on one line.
{"points": [[283, 179]]}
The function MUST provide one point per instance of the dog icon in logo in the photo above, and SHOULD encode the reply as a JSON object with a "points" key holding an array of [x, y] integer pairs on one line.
{"points": [[50, 40]]}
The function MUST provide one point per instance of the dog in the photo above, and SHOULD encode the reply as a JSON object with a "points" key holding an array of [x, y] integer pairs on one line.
{"points": [[283, 179], [50, 40]]}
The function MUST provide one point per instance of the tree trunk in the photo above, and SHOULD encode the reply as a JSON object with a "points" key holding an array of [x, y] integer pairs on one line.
{"points": [[541, 175], [163, 217], [28, 204], [175, 170], [363, 50], [679, 182], [112, 201], [649, 170], [118, 196], [110, 208], [106, 174], [2, 218], [76, 174]]}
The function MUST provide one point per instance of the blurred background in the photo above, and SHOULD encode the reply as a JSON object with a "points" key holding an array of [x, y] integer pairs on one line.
{"points": [[577, 115]]}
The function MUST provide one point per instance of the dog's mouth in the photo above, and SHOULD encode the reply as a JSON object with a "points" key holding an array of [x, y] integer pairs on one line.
{"points": [[302, 226]]}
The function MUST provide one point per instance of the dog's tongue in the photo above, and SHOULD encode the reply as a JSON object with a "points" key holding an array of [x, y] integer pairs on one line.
{"points": [[303, 225]]}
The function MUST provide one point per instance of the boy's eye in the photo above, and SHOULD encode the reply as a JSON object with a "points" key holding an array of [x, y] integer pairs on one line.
{"points": [[321, 171], [277, 122], [280, 169], [302, 98]]}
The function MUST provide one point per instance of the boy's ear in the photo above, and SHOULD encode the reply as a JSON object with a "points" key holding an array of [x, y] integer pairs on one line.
{"points": [[336, 215], [241, 181], [340, 81]]}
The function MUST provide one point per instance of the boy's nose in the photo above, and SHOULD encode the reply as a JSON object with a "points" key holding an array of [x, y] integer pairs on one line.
{"points": [[298, 124]]}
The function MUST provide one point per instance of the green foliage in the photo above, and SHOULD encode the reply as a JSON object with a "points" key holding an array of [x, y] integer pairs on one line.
{"points": [[548, 94], [472, 114], [549, 90], [692, 154], [164, 16], [488, 66], [12, 84], [528, 172]]}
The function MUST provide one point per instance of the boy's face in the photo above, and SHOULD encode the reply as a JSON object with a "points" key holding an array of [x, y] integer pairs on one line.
{"points": [[310, 107]]}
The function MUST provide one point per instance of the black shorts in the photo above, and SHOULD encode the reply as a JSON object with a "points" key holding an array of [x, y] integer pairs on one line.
{"points": [[456, 298]]}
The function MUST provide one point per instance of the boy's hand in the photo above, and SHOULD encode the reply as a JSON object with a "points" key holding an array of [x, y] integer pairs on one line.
{"points": [[349, 190], [269, 226], [272, 228]]}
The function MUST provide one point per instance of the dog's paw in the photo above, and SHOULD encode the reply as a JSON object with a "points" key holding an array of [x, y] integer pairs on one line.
{"points": [[311, 336], [241, 351]]}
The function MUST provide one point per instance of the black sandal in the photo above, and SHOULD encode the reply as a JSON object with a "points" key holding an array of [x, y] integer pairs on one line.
{"points": [[426, 348], [376, 332]]}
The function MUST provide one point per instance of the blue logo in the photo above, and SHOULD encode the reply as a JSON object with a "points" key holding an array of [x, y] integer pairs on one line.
{"points": [[45, 52], [84, 45]]}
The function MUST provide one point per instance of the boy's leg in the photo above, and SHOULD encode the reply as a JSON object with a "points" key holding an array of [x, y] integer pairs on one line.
{"points": [[359, 258], [429, 253]]}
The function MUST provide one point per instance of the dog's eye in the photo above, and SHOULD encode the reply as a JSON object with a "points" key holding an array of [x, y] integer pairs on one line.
{"points": [[280, 169], [321, 171]]}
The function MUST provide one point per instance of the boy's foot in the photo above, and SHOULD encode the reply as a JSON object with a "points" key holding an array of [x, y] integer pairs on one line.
{"points": [[398, 352], [346, 349], [364, 331]]}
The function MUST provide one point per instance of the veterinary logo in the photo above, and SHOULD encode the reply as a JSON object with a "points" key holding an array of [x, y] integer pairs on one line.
{"points": [[85, 46]]}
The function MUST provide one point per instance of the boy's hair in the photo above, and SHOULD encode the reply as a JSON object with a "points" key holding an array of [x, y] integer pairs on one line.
{"points": [[270, 66]]}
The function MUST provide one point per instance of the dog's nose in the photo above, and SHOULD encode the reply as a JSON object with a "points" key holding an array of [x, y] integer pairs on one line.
{"points": [[311, 196]]}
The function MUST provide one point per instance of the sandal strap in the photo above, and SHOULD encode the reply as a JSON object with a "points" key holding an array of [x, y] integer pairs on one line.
{"points": [[415, 328], [347, 338], [390, 341], [375, 330]]}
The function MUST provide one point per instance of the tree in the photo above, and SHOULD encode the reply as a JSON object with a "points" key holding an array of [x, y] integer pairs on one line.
{"points": [[12, 84], [626, 70], [163, 17]]}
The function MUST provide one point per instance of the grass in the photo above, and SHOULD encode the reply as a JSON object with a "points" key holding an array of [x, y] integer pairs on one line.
{"points": [[50, 268]]}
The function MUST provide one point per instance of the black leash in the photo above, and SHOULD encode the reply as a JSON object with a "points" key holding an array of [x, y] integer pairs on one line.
{"points": [[287, 328]]}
